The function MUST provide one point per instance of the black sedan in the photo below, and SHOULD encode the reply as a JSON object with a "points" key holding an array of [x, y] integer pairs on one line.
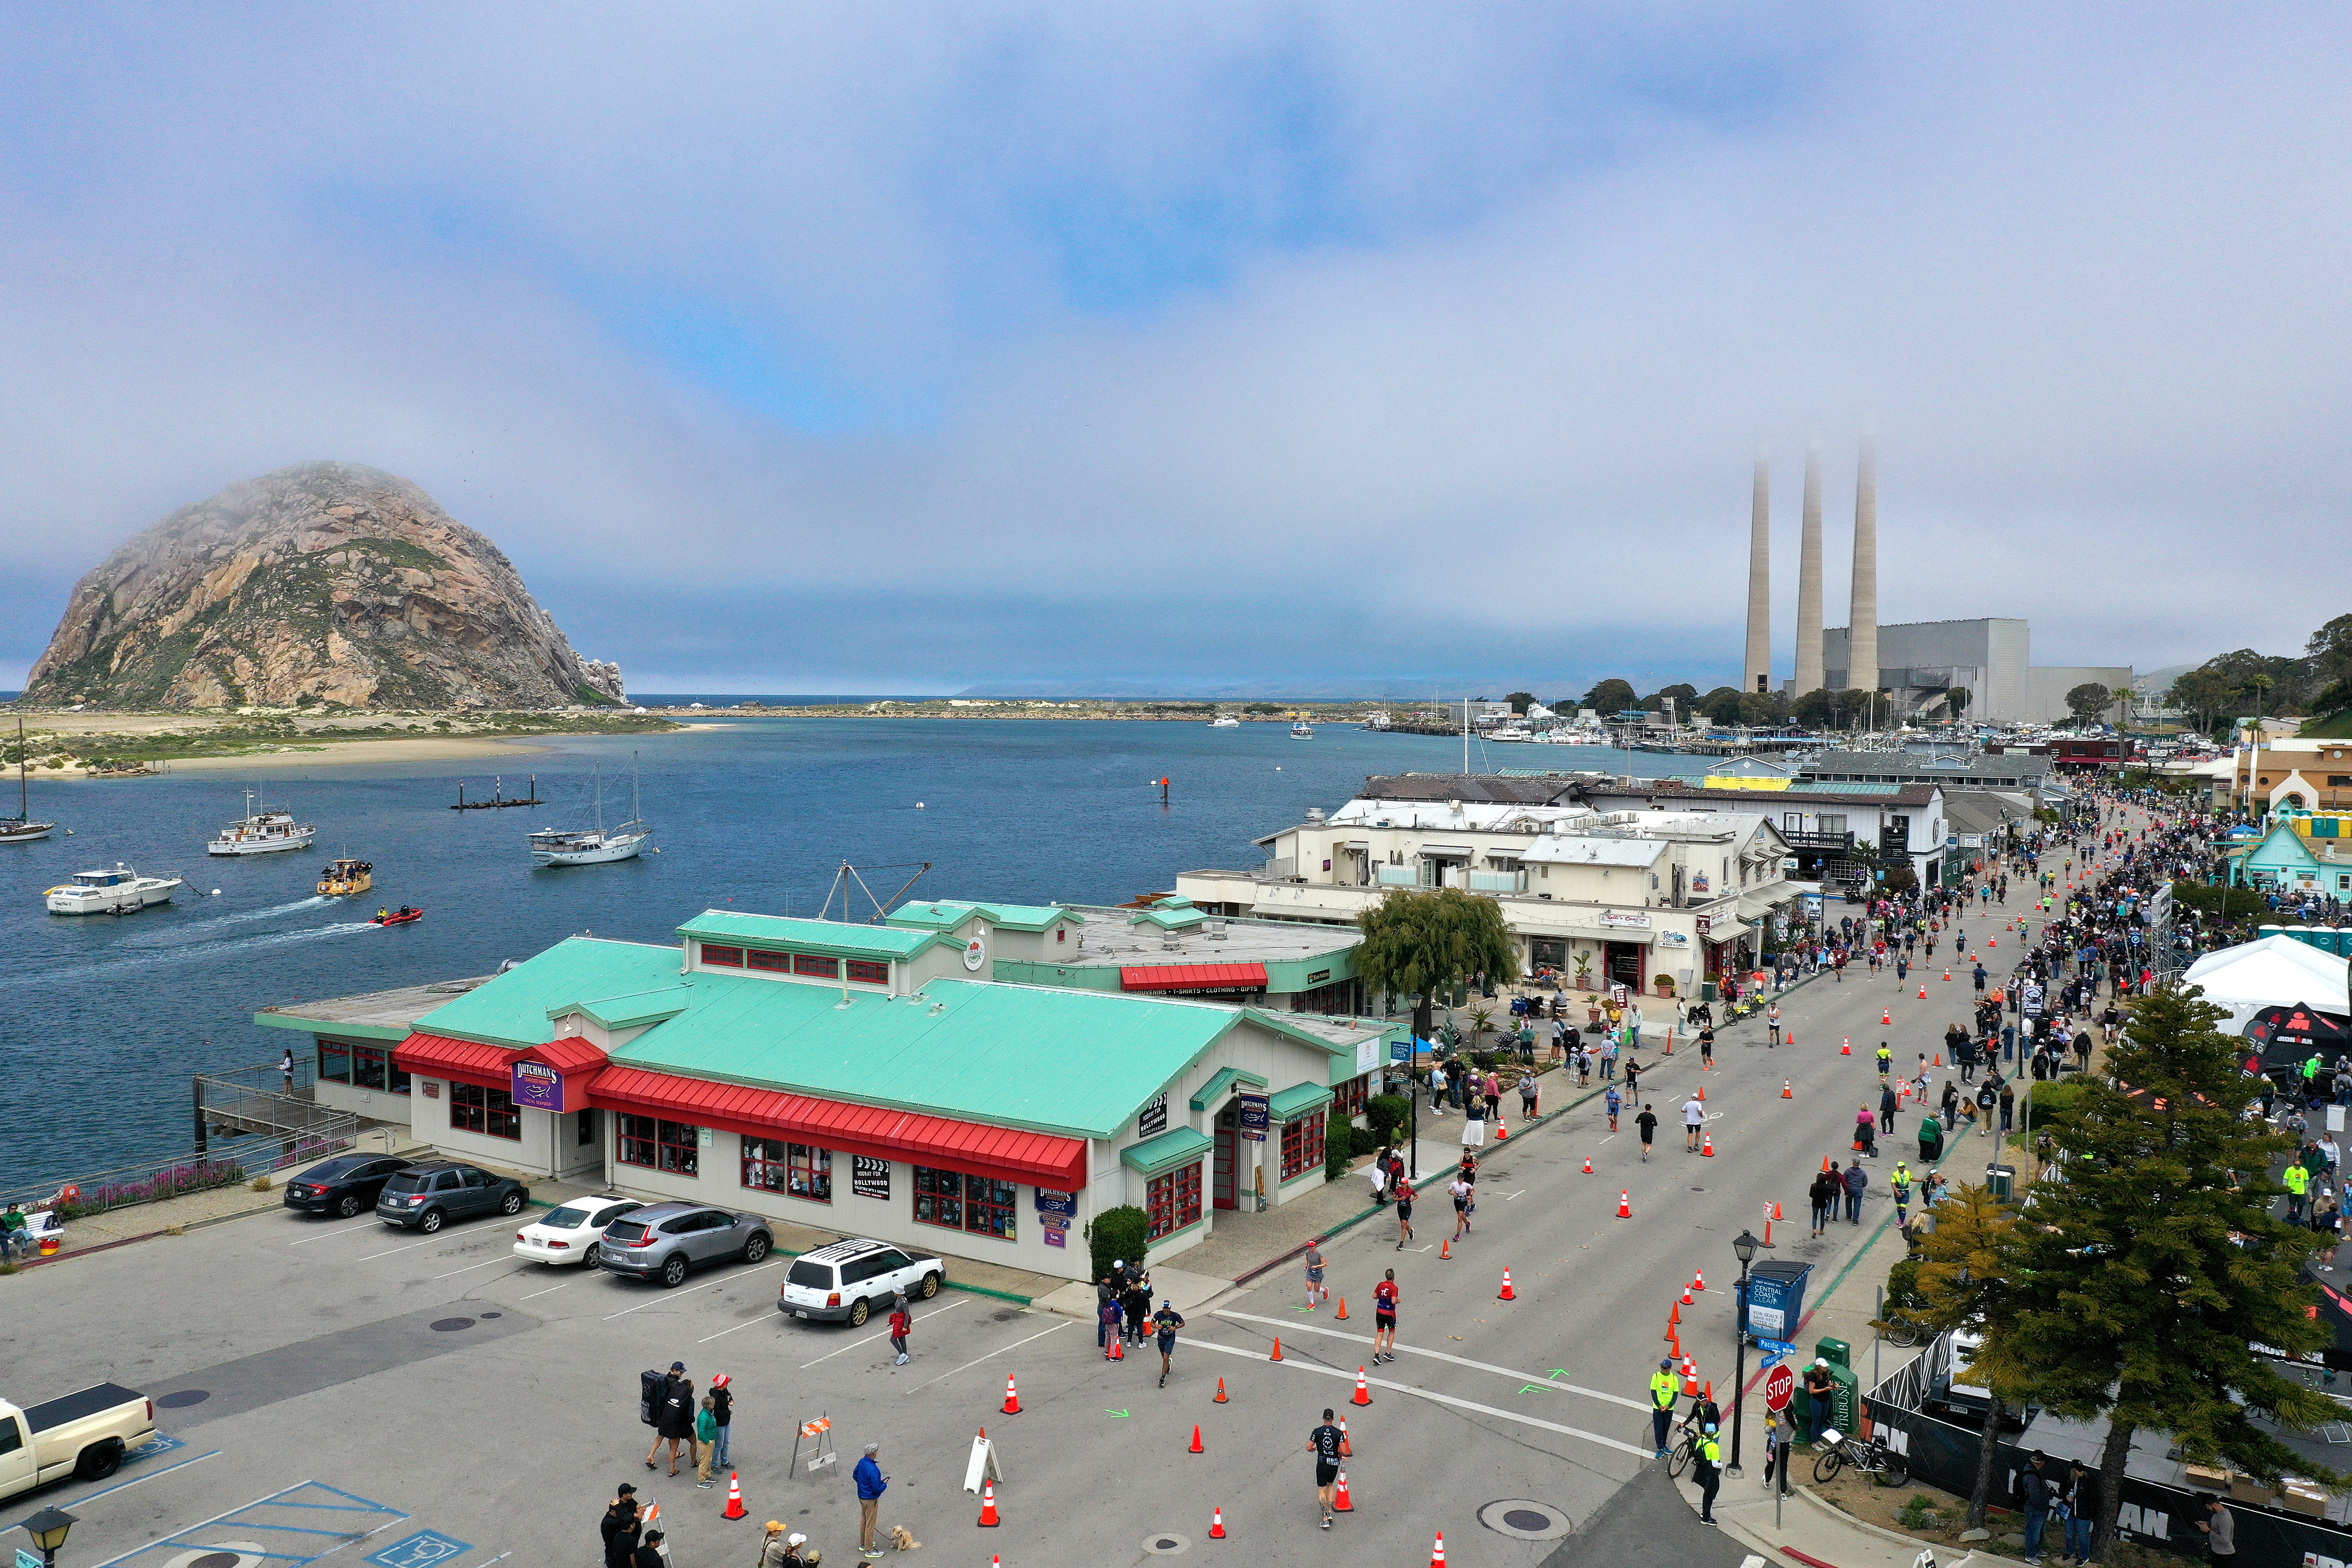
{"points": [[343, 1186], [428, 1196]]}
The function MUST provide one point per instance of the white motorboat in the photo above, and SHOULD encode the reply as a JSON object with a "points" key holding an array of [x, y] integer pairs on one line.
{"points": [[264, 831], [1224, 721], [1575, 735], [21, 828], [1302, 731], [594, 847], [115, 892]]}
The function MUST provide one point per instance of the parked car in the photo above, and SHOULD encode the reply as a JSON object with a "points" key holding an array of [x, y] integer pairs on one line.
{"points": [[663, 1241], [427, 1197], [849, 1281], [343, 1186], [570, 1235], [82, 1435]]}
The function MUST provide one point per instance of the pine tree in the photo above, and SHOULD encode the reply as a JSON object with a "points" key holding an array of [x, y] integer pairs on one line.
{"points": [[1417, 944], [2153, 1263], [1966, 1263]]}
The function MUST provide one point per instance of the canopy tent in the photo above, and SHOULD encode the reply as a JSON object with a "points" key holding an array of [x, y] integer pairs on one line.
{"points": [[2274, 972]]}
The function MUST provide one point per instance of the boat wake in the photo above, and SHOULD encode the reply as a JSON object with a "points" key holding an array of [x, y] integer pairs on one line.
{"points": [[145, 958], [240, 918]]}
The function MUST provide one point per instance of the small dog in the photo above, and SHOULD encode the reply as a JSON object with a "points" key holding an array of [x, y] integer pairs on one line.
{"points": [[902, 1542]]}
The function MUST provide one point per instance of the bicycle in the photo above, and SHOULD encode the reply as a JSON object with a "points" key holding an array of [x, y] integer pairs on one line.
{"points": [[1684, 1451], [1871, 1459]]}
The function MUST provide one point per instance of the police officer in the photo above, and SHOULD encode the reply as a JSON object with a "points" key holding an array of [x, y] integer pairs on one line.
{"points": [[1663, 1392], [1706, 1468]]}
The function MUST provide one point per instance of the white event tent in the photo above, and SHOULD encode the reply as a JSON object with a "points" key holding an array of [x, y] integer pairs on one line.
{"points": [[2275, 972]]}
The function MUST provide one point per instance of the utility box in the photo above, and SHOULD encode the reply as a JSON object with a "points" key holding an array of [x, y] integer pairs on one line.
{"points": [[2001, 1182], [1845, 1402], [1837, 1352]]}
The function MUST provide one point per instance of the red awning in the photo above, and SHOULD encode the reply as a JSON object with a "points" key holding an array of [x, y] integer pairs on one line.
{"points": [[878, 1132], [569, 1054], [1193, 977], [466, 1061]]}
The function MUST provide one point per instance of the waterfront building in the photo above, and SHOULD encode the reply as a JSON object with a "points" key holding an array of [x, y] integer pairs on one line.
{"points": [[859, 1079], [1836, 832]]}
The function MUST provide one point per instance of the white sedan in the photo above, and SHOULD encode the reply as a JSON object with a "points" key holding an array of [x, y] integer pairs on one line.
{"points": [[570, 1234]]}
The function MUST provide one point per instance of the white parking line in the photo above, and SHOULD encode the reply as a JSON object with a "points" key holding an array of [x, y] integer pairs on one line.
{"points": [[551, 1289], [428, 1241], [338, 1230], [1435, 1397], [869, 1339], [689, 1290], [471, 1266], [1295, 1328], [1065, 1323]]}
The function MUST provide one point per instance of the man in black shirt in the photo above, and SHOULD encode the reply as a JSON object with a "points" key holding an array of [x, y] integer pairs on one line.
{"points": [[1324, 1443], [1648, 1124]]}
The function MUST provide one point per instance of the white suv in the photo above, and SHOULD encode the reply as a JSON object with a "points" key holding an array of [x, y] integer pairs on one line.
{"points": [[847, 1282]]}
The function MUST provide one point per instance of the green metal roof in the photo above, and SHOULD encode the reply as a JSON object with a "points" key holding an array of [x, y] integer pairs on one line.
{"points": [[1214, 1090], [1166, 1151], [946, 914], [835, 939], [1296, 1102], [628, 1012], [512, 1009], [1184, 918]]}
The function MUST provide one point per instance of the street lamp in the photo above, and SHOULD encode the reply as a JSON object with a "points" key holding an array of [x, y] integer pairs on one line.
{"points": [[49, 1529], [1744, 1249]]}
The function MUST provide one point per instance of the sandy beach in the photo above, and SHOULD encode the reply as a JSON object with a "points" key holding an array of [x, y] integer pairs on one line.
{"points": [[341, 754]]}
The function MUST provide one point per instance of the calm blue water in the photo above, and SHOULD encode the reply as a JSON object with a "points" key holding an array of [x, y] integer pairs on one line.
{"points": [[103, 1020]]}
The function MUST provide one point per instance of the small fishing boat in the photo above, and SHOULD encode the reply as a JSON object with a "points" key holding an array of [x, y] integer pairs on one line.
{"points": [[1224, 721], [263, 832], [1302, 731], [399, 917], [346, 877], [562, 846], [116, 892], [21, 828]]}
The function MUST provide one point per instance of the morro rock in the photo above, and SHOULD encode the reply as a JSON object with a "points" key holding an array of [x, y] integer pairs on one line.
{"points": [[325, 585]]}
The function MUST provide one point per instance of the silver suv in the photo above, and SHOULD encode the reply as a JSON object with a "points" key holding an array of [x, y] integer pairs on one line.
{"points": [[663, 1241], [847, 1282]]}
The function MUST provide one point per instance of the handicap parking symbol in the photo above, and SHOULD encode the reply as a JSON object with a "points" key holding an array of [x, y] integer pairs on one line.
{"points": [[421, 1550]]}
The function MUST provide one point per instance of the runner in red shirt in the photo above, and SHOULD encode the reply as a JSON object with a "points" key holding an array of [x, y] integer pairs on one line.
{"points": [[1384, 1314]]}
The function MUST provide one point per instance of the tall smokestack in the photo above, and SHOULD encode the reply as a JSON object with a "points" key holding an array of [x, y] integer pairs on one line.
{"points": [[1809, 582], [1759, 674], [1862, 638]]}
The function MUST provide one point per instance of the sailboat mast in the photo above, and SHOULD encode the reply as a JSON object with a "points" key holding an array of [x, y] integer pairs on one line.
{"points": [[599, 770], [636, 812]]}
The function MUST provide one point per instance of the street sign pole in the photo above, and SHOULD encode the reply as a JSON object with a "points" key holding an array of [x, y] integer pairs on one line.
{"points": [[1780, 1387]]}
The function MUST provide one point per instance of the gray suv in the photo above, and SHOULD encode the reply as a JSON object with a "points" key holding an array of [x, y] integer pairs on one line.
{"points": [[663, 1241]]}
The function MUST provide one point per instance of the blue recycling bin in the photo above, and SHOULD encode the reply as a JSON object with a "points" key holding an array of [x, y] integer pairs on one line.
{"points": [[1776, 1299]]}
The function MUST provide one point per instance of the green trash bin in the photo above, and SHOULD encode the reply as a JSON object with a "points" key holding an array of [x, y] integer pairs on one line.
{"points": [[2001, 1182], [1837, 1352]]}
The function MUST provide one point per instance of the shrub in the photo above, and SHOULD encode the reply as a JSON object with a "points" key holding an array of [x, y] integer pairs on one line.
{"points": [[1338, 1148], [2048, 1101], [1387, 1113], [1117, 1234]]}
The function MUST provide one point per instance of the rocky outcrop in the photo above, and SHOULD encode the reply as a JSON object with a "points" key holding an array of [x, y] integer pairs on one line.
{"points": [[326, 584]]}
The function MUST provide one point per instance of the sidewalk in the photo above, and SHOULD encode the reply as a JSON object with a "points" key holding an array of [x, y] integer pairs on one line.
{"points": [[1812, 1532]]}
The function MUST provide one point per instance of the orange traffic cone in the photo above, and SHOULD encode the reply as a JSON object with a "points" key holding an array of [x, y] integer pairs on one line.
{"points": [[1675, 1312], [1277, 1349], [988, 1519], [1825, 1164], [734, 1495], [1197, 1447], [1011, 1397], [1118, 1348], [1698, 1282], [1690, 1379], [1939, 1058], [1846, 1050], [1340, 1501], [1341, 1315], [1506, 1293], [1789, 1038], [1706, 1144], [1445, 1249], [1437, 1553], [1363, 1389], [1786, 1092], [1923, 991], [1686, 1301], [1947, 974], [1219, 1399], [1588, 1164], [1217, 1524], [1625, 1205], [1886, 1015], [1347, 1448], [1776, 1208], [1702, 1094]]}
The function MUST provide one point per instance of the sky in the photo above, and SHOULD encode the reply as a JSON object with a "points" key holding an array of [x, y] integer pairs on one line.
{"points": [[903, 348]]}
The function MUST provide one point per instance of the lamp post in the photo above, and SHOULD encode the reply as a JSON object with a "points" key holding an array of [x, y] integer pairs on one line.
{"points": [[1743, 1249], [49, 1529]]}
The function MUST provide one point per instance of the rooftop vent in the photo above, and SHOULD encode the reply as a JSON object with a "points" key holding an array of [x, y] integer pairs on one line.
{"points": [[1315, 814], [1216, 928]]}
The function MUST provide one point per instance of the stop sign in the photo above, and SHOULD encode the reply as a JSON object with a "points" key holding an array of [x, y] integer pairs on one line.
{"points": [[1779, 1384]]}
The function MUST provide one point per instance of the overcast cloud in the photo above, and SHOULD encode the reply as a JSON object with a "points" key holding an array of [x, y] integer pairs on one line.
{"points": [[904, 349]]}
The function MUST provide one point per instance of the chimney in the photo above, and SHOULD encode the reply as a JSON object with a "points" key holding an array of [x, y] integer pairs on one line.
{"points": [[1759, 674], [1862, 636], [1808, 583]]}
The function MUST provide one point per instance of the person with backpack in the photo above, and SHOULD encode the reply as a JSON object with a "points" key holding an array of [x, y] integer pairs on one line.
{"points": [[673, 1417]]}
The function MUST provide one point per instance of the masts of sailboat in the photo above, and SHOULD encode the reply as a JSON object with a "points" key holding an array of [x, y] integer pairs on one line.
{"points": [[21, 827]]}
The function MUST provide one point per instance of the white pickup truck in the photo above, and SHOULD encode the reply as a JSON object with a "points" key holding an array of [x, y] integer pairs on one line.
{"points": [[83, 1434]]}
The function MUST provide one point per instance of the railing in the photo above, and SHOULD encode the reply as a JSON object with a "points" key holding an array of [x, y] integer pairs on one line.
{"points": [[226, 1163], [1280, 870], [1805, 838]]}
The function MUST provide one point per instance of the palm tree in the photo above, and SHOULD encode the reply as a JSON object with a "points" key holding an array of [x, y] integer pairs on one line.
{"points": [[2124, 697]]}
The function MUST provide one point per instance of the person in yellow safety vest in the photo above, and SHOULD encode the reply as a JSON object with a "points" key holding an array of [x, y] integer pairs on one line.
{"points": [[2298, 1186], [1706, 1468], [1900, 1179], [1663, 1392], [1885, 1059]]}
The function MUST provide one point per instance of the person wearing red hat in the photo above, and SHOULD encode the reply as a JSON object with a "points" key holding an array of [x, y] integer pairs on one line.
{"points": [[722, 1412]]}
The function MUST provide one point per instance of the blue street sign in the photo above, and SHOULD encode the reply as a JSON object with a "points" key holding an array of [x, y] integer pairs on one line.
{"points": [[1777, 1347]]}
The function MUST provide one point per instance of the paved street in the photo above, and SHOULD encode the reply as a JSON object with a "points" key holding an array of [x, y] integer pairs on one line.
{"points": [[496, 1403]]}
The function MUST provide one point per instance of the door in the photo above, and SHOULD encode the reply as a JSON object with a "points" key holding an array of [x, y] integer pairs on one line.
{"points": [[1223, 1196], [1624, 962], [477, 1196]]}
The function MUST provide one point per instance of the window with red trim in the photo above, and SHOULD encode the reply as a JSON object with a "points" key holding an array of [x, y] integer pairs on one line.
{"points": [[866, 973], [810, 963], [489, 1111], [672, 1146], [796, 1170], [1348, 1099], [978, 1205], [775, 962], [726, 957], [1173, 1201], [1302, 1145]]}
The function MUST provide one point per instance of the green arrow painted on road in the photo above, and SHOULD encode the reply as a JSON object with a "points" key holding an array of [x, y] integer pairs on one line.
{"points": [[1531, 1388], [1120, 1414]]}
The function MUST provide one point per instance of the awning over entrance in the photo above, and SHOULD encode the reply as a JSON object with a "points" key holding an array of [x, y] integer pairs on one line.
{"points": [[1005, 1153], [462, 1061], [1165, 1153], [1193, 977]]}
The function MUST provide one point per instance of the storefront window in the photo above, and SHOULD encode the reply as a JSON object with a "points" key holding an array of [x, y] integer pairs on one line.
{"points": [[1302, 1145], [672, 1146], [1547, 953], [763, 1164], [1348, 1099], [1173, 1201], [371, 1068], [979, 1206], [334, 1062], [489, 1111]]}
